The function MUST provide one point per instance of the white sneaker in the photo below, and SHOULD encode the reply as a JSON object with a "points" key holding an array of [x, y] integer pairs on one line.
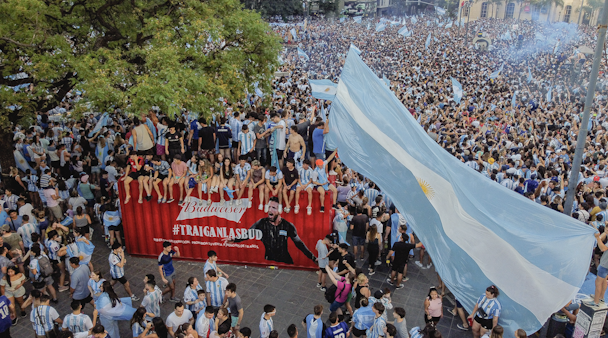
{"points": [[419, 264], [309, 211], [261, 206], [296, 209], [280, 208], [249, 204], [266, 208], [287, 209], [200, 203]]}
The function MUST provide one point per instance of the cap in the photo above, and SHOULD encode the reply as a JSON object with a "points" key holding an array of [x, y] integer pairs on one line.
{"points": [[491, 160], [319, 162], [5, 228], [596, 179], [378, 294]]}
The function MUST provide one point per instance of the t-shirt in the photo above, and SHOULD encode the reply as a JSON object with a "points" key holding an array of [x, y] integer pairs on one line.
{"points": [[378, 225], [224, 134], [322, 251], [79, 281], [290, 175], [359, 223], [180, 169], [402, 329], [401, 250], [261, 143], [317, 141], [280, 142], [48, 195], [166, 260], [337, 331], [234, 305], [342, 291], [206, 134], [173, 321], [349, 258]]}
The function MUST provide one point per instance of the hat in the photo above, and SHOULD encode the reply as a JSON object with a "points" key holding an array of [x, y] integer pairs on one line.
{"points": [[491, 160], [378, 294], [84, 178], [255, 162], [319, 162], [5, 228], [596, 179]]}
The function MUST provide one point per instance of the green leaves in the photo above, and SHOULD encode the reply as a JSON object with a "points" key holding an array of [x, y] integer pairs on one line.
{"points": [[132, 54]]}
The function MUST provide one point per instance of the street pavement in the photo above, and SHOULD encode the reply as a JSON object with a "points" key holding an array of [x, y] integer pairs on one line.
{"points": [[293, 292]]}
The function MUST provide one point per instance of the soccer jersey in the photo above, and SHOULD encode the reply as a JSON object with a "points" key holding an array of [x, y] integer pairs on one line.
{"points": [[77, 323], [115, 270], [217, 291], [242, 171], [337, 331], [191, 295]]}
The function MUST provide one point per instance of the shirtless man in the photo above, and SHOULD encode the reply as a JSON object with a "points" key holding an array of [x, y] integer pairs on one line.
{"points": [[295, 143]]}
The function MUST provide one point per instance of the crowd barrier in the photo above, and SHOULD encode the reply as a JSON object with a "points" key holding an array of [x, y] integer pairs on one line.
{"points": [[197, 229]]}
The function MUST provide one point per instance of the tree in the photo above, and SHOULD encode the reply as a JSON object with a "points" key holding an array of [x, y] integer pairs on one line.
{"points": [[275, 7], [591, 6], [129, 54], [549, 4]]}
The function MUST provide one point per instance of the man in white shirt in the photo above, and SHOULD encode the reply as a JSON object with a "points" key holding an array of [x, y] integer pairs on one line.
{"points": [[204, 323], [25, 208], [178, 317]]}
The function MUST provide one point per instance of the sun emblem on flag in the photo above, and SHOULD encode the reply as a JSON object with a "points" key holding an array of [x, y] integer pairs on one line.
{"points": [[426, 188], [327, 89]]}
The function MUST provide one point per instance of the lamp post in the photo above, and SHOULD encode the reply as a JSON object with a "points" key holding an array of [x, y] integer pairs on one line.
{"points": [[467, 4]]}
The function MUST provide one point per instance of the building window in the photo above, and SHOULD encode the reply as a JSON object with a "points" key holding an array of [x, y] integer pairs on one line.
{"points": [[535, 13], [484, 10], [567, 13], [510, 10]]}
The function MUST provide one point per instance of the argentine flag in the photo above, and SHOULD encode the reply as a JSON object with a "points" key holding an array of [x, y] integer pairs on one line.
{"points": [[357, 19], [301, 54], [439, 10], [22, 163], [380, 27], [357, 50], [529, 74], [428, 42], [549, 95], [478, 233], [102, 122], [449, 25], [293, 33], [457, 89], [414, 20], [323, 89], [403, 31], [497, 73]]}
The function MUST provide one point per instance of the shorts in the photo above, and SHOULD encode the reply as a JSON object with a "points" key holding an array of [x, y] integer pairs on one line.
{"points": [[145, 152], [602, 272], [123, 280], [235, 320], [135, 175], [90, 202], [95, 169], [56, 210], [433, 319], [56, 164], [114, 228], [280, 154], [335, 306], [171, 278], [84, 302], [357, 332], [324, 186], [485, 323], [308, 186], [293, 187], [206, 153], [398, 268], [84, 229], [160, 150], [17, 293], [40, 284], [358, 241], [235, 144], [161, 177], [458, 305], [194, 145], [322, 270], [319, 156]]}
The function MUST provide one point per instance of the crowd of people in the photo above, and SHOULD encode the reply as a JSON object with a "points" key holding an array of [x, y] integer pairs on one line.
{"points": [[518, 128]]}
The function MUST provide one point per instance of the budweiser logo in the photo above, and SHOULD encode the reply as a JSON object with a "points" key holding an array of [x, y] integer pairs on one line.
{"points": [[192, 210]]}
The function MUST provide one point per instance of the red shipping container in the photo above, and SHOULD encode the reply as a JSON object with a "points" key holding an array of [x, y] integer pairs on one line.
{"points": [[196, 229]]}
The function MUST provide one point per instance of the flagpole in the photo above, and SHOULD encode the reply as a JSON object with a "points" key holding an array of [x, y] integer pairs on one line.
{"points": [[582, 134]]}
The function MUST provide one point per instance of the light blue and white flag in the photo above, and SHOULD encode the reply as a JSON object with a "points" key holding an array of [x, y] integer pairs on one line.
{"points": [[323, 89], [386, 81], [449, 25], [529, 75], [369, 25], [497, 73], [380, 27], [301, 54], [102, 122], [294, 34], [357, 50], [428, 42], [439, 10], [457, 89], [357, 19], [342, 19], [556, 47], [513, 99], [497, 237], [414, 20], [506, 36], [22, 163], [428, 23], [549, 95], [403, 31]]}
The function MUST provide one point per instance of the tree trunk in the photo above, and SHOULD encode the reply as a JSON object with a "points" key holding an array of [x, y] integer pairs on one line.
{"points": [[7, 159], [520, 8]]}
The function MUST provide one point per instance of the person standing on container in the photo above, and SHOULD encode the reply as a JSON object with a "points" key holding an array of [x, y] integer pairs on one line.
{"points": [[275, 232]]}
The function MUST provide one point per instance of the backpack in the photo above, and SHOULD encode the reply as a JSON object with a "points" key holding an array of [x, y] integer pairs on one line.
{"points": [[330, 293], [46, 268]]}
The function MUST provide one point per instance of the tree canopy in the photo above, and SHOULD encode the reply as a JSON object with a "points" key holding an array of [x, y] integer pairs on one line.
{"points": [[130, 54]]}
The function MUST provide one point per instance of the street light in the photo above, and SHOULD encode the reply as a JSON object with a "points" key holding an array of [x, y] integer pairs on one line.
{"points": [[467, 4]]}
